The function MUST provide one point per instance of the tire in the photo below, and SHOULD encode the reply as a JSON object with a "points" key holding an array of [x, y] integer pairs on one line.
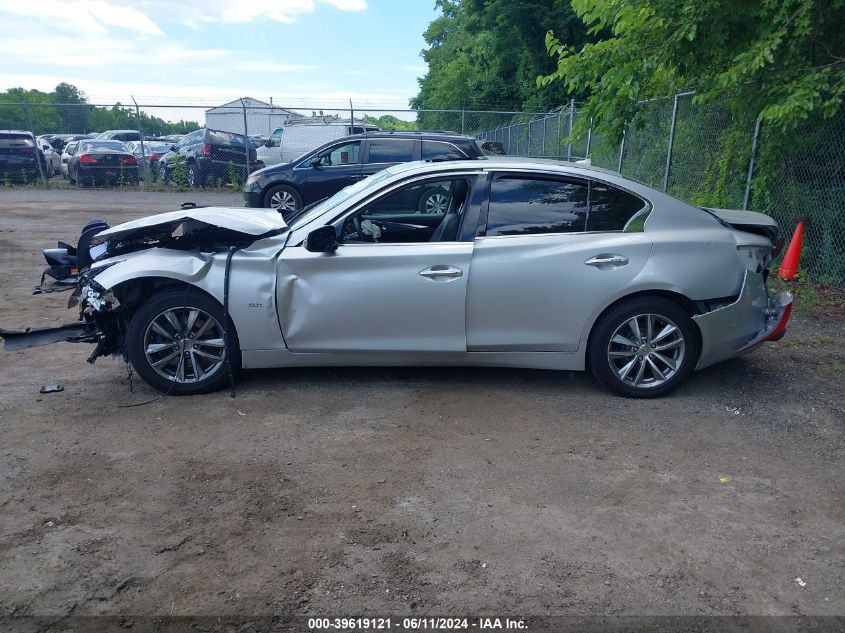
{"points": [[434, 200], [169, 360], [283, 198], [195, 177], [670, 351]]}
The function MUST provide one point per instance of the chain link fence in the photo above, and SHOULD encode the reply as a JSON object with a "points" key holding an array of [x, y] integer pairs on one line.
{"points": [[699, 152]]}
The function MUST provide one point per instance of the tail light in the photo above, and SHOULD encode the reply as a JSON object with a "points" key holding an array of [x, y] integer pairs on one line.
{"points": [[129, 160], [206, 149], [87, 159], [253, 155], [155, 156]]}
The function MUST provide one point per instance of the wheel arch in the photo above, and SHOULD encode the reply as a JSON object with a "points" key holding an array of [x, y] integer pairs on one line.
{"points": [[689, 306], [276, 183], [134, 292]]}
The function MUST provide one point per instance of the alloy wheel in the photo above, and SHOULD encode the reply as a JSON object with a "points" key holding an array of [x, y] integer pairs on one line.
{"points": [[646, 351], [436, 203], [283, 201], [185, 345]]}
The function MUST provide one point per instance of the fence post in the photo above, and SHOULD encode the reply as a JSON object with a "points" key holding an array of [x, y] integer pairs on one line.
{"points": [[143, 149], [544, 136], [571, 122], [621, 150], [751, 166], [509, 140], [463, 120], [248, 143], [671, 141], [557, 145], [528, 153], [589, 138]]}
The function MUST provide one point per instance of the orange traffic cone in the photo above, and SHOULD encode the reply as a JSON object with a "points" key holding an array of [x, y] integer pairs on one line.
{"points": [[789, 265]]}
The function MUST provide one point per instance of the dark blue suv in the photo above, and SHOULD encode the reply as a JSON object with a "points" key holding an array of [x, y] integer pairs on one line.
{"points": [[326, 170]]}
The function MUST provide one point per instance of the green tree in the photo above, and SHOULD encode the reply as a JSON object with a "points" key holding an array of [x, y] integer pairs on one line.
{"points": [[780, 60], [486, 54]]}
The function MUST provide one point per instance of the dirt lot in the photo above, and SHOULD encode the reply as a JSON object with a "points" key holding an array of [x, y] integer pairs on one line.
{"points": [[407, 491]]}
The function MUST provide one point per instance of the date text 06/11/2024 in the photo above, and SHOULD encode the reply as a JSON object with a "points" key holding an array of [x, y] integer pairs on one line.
{"points": [[415, 624]]}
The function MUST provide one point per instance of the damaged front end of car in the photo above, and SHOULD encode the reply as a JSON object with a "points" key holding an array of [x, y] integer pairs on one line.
{"points": [[113, 269]]}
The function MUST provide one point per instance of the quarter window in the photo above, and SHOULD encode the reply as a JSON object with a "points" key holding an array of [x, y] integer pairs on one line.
{"points": [[391, 150], [438, 150], [526, 206], [611, 208]]}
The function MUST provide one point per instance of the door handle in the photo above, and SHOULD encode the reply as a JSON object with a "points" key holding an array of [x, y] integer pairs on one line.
{"points": [[441, 272], [605, 260]]}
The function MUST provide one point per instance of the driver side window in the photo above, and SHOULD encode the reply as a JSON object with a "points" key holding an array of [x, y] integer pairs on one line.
{"points": [[346, 154], [430, 211]]}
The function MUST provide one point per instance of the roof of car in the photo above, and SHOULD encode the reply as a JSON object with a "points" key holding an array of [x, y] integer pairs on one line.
{"points": [[438, 136], [15, 132]]}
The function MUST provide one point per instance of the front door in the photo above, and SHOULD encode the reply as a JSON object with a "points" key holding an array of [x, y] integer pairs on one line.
{"points": [[396, 283], [338, 166]]}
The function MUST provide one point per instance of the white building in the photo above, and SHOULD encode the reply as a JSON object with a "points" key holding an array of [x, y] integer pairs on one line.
{"points": [[261, 118]]}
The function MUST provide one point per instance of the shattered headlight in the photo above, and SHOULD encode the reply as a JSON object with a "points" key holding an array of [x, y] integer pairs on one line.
{"points": [[91, 296]]}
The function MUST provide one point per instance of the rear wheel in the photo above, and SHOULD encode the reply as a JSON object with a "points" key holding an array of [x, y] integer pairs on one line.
{"points": [[176, 343], [195, 177], [644, 347], [434, 200]]}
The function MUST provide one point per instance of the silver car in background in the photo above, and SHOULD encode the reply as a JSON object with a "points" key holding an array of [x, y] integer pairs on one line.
{"points": [[531, 263]]}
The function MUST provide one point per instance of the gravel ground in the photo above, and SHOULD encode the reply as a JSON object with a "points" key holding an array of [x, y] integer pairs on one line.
{"points": [[407, 491]]}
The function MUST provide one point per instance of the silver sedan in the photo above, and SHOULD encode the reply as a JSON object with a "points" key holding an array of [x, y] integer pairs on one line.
{"points": [[528, 263]]}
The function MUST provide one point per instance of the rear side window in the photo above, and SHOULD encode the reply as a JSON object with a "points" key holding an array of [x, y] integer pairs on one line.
{"points": [[611, 208], [391, 150], [527, 206], [438, 150]]}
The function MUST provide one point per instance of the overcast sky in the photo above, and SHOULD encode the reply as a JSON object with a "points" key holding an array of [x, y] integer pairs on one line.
{"points": [[206, 52]]}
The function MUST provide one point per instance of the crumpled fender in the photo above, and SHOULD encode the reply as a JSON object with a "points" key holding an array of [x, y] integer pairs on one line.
{"points": [[189, 266]]}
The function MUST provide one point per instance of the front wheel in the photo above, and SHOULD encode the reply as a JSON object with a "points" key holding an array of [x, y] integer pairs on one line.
{"points": [[176, 342], [283, 199], [644, 347]]}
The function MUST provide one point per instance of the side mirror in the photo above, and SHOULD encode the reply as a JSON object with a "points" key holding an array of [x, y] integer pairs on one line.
{"points": [[322, 240], [316, 161], [173, 148], [268, 143]]}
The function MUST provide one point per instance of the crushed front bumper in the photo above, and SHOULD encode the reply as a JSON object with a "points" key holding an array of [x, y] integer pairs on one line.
{"points": [[754, 318], [71, 333]]}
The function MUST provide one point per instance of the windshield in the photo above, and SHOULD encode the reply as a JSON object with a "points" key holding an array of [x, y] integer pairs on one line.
{"points": [[340, 196]]}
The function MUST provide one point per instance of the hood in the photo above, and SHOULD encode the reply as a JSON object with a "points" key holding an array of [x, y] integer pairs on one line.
{"points": [[240, 220]]}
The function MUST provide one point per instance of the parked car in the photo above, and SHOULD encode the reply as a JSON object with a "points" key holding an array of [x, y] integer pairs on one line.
{"points": [[209, 157], [20, 157], [120, 135], [58, 141], [107, 162], [328, 169], [148, 154], [52, 158], [295, 139], [69, 150], [532, 264]]}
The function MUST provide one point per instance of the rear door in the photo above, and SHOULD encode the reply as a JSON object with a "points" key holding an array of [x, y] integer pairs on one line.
{"points": [[382, 152], [550, 250]]}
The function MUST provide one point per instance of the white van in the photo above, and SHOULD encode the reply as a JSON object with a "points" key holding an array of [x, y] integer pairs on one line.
{"points": [[292, 141]]}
